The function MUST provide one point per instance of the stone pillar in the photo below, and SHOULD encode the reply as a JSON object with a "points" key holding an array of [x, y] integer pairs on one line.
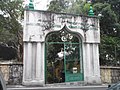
{"points": [[91, 64], [87, 69], [33, 72], [96, 64], [38, 62]]}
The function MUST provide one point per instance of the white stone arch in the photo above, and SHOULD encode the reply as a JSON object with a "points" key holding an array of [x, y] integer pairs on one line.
{"points": [[81, 36]]}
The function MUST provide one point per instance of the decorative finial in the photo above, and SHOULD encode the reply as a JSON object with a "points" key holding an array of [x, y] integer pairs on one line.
{"points": [[31, 6], [91, 13]]}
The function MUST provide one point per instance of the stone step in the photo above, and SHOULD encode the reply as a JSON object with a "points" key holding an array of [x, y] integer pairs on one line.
{"points": [[101, 87]]}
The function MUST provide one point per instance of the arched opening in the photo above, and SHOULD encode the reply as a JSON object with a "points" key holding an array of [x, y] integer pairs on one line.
{"points": [[63, 57]]}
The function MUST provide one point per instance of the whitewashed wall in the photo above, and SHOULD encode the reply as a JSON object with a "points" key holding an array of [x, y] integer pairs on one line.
{"points": [[38, 24]]}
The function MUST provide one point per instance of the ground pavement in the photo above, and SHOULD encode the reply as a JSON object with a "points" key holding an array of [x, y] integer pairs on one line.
{"points": [[98, 87]]}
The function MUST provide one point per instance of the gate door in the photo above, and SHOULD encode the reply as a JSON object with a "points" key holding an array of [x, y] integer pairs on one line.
{"points": [[73, 62], [63, 57]]}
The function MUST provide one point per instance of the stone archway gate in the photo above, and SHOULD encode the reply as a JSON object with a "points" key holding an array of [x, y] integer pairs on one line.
{"points": [[37, 24]]}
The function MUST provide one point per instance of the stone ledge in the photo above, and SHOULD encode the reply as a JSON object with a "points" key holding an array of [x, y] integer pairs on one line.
{"points": [[10, 62], [109, 67]]}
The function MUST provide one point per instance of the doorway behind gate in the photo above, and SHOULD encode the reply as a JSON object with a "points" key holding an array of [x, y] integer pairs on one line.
{"points": [[63, 57]]}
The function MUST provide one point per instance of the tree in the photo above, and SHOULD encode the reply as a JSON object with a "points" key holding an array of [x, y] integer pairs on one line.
{"points": [[109, 50], [114, 7], [110, 30], [67, 6], [108, 20], [10, 27], [75, 7], [57, 5]]}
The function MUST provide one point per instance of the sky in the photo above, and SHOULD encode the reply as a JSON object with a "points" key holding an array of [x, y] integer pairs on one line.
{"points": [[39, 4]]}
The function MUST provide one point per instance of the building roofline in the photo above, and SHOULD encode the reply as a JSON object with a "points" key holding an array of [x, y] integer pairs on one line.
{"points": [[63, 13]]}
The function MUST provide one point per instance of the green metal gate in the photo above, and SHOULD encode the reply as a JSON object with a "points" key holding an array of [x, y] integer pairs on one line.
{"points": [[63, 57], [73, 62]]}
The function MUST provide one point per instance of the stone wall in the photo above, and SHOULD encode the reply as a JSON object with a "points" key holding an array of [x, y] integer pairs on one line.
{"points": [[110, 74], [12, 72]]}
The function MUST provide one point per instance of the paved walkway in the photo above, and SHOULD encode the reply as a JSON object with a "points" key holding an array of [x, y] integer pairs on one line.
{"points": [[98, 87]]}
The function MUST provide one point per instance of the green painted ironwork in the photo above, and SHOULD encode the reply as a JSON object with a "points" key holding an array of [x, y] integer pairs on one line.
{"points": [[63, 57], [73, 71], [31, 6], [45, 66], [91, 13]]}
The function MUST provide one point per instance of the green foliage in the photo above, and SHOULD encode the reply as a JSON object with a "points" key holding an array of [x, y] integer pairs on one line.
{"points": [[67, 6], [57, 5], [5, 36], [109, 50], [110, 30], [11, 12], [86, 8], [76, 7], [108, 20]]}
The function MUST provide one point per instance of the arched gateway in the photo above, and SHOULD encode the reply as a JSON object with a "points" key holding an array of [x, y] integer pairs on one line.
{"points": [[64, 60], [60, 48]]}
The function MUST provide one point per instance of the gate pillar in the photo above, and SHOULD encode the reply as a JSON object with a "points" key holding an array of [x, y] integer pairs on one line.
{"points": [[33, 64]]}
